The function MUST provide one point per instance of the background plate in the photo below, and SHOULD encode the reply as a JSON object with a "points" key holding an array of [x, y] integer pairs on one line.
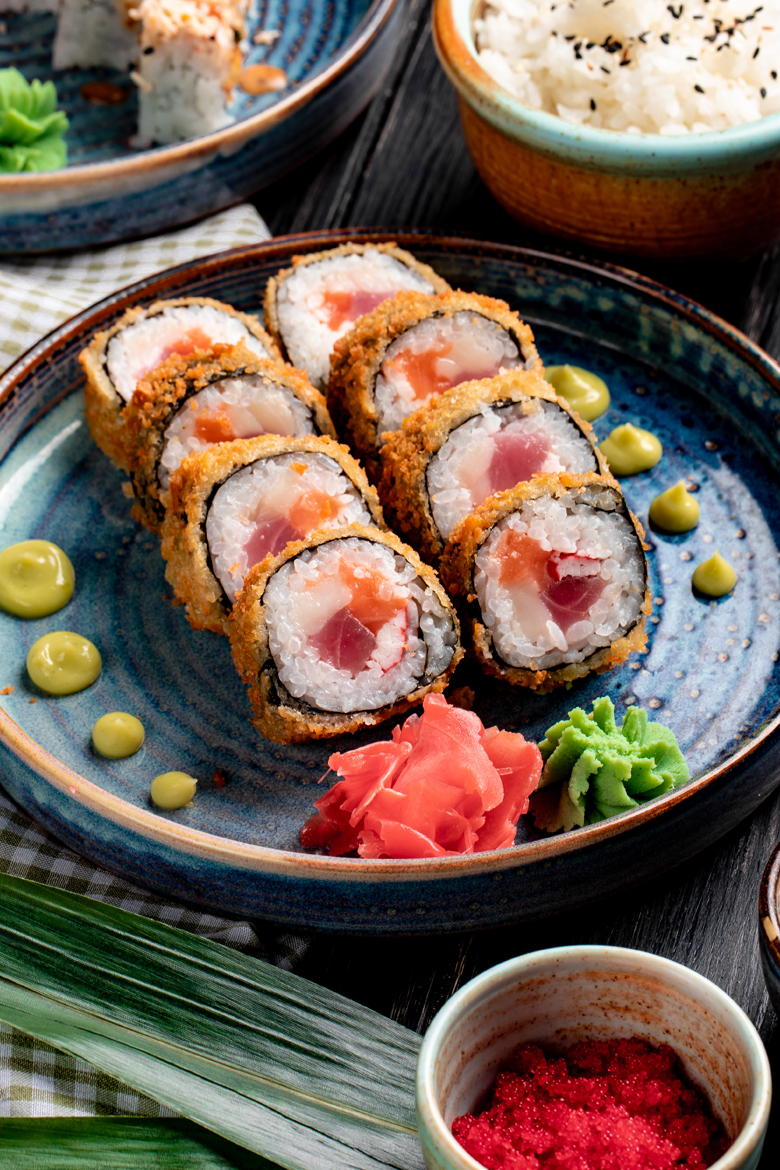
{"points": [[710, 672], [335, 54]]}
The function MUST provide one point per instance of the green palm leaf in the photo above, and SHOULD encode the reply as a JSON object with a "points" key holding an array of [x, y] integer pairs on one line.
{"points": [[131, 1143], [268, 1060]]}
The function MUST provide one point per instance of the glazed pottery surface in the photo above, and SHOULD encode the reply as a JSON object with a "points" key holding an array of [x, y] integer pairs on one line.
{"points": [[559, 997], [653, 195], [335, 54], [769, 926], [710, 671]]}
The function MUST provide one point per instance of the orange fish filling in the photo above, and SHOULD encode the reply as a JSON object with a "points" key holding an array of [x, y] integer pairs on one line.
{"points": [[214, 428], [420, 370], [567, 595], [341, 307]]}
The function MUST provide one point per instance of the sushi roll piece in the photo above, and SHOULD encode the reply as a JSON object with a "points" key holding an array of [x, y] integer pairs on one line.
{"points": [[480, 438], [189, 61], [189, 404], [341, 632], [118, 358], [93, 33], [554, 579], [309, 306], [414, 348], [235, 504]]}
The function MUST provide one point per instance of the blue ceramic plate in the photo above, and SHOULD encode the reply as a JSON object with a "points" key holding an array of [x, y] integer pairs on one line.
{"points": [[335, 54], [710, 671]]}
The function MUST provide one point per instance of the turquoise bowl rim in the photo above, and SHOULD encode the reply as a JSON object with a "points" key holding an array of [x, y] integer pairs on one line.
{"points": [[648, 155], [199, 151], [454, 1157]]}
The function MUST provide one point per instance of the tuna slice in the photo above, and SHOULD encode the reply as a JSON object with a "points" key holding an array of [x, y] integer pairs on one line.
{"points": [[345, 642], [444, 785], [270, 536], [516, 458]]}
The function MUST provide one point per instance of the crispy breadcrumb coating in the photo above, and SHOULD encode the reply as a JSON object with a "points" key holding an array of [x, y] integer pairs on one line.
{"points": [[104, 406], [358, 356], [280, 717], [158, 397], [408, 452], [192, 488], [457, 571]]}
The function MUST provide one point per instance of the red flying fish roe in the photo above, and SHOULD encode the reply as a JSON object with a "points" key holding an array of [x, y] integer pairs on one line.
{"points": [[605, 1105]]}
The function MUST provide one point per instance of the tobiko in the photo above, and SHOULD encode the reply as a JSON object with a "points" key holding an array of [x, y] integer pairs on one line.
{"points": [[603, 1105], [443, 785]]}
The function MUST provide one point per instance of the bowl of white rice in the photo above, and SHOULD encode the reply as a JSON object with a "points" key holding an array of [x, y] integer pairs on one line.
{"points": [[636, 126]]}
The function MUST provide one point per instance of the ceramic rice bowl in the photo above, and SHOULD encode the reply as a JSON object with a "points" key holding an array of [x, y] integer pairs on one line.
{"points": [[714, 194], [561, 996]]}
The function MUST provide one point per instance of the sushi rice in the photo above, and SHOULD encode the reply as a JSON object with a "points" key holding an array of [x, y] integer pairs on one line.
{"points": [[300, 641]]}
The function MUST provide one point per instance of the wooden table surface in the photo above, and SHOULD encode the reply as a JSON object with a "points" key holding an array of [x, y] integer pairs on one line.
{"points": [[404, 164]]}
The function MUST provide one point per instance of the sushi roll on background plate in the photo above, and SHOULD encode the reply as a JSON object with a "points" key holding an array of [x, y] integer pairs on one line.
{"points": [[118, 358], [341, 632], [480, 438], [414, 348], [554, 578], [237, 503], [188, 405], [309, 306]]}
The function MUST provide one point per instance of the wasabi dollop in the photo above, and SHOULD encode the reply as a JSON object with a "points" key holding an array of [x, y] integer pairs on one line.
{"points": [[173, 790], [118, 735], [629, 450], [594, 769], [62, 663], [714, 577], [585, 392], [36, 579], [675, 510], [31, 127]]}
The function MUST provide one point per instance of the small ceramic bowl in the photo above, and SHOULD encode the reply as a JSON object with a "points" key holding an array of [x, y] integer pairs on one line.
{"points": [[715, 194], [558, 997], [769, 926]]}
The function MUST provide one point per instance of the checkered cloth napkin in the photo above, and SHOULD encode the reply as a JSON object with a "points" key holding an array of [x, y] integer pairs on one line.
{"points": [[36, 295]]}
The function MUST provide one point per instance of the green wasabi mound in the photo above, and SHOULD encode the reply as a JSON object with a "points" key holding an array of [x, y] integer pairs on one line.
{"points": [[594, 769], [31, 127]]}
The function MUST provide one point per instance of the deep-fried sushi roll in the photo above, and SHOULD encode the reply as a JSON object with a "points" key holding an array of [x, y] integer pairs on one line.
{"points": [[414, 348], [481, 438], [309, 306], [188, 405], [118, 358], [235, 504], [341, 632], [554, 578]]}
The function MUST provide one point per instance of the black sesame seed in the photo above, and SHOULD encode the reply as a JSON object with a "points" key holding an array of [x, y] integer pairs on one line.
{"points": [[591, 45], [698, 89], [149, 49], [691, 58], [665, 38], [626, 62], [758, 50], [763, 92], [605, 70], [677, 14], [773, 75], [592, 104]]}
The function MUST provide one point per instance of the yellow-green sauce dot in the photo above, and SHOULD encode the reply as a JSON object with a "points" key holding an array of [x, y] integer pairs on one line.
{"points": [[714, 577], [629, 450], [117, 735], [585, 392], [36, 579], [675, 510], [63, 663], [173, 790]]}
